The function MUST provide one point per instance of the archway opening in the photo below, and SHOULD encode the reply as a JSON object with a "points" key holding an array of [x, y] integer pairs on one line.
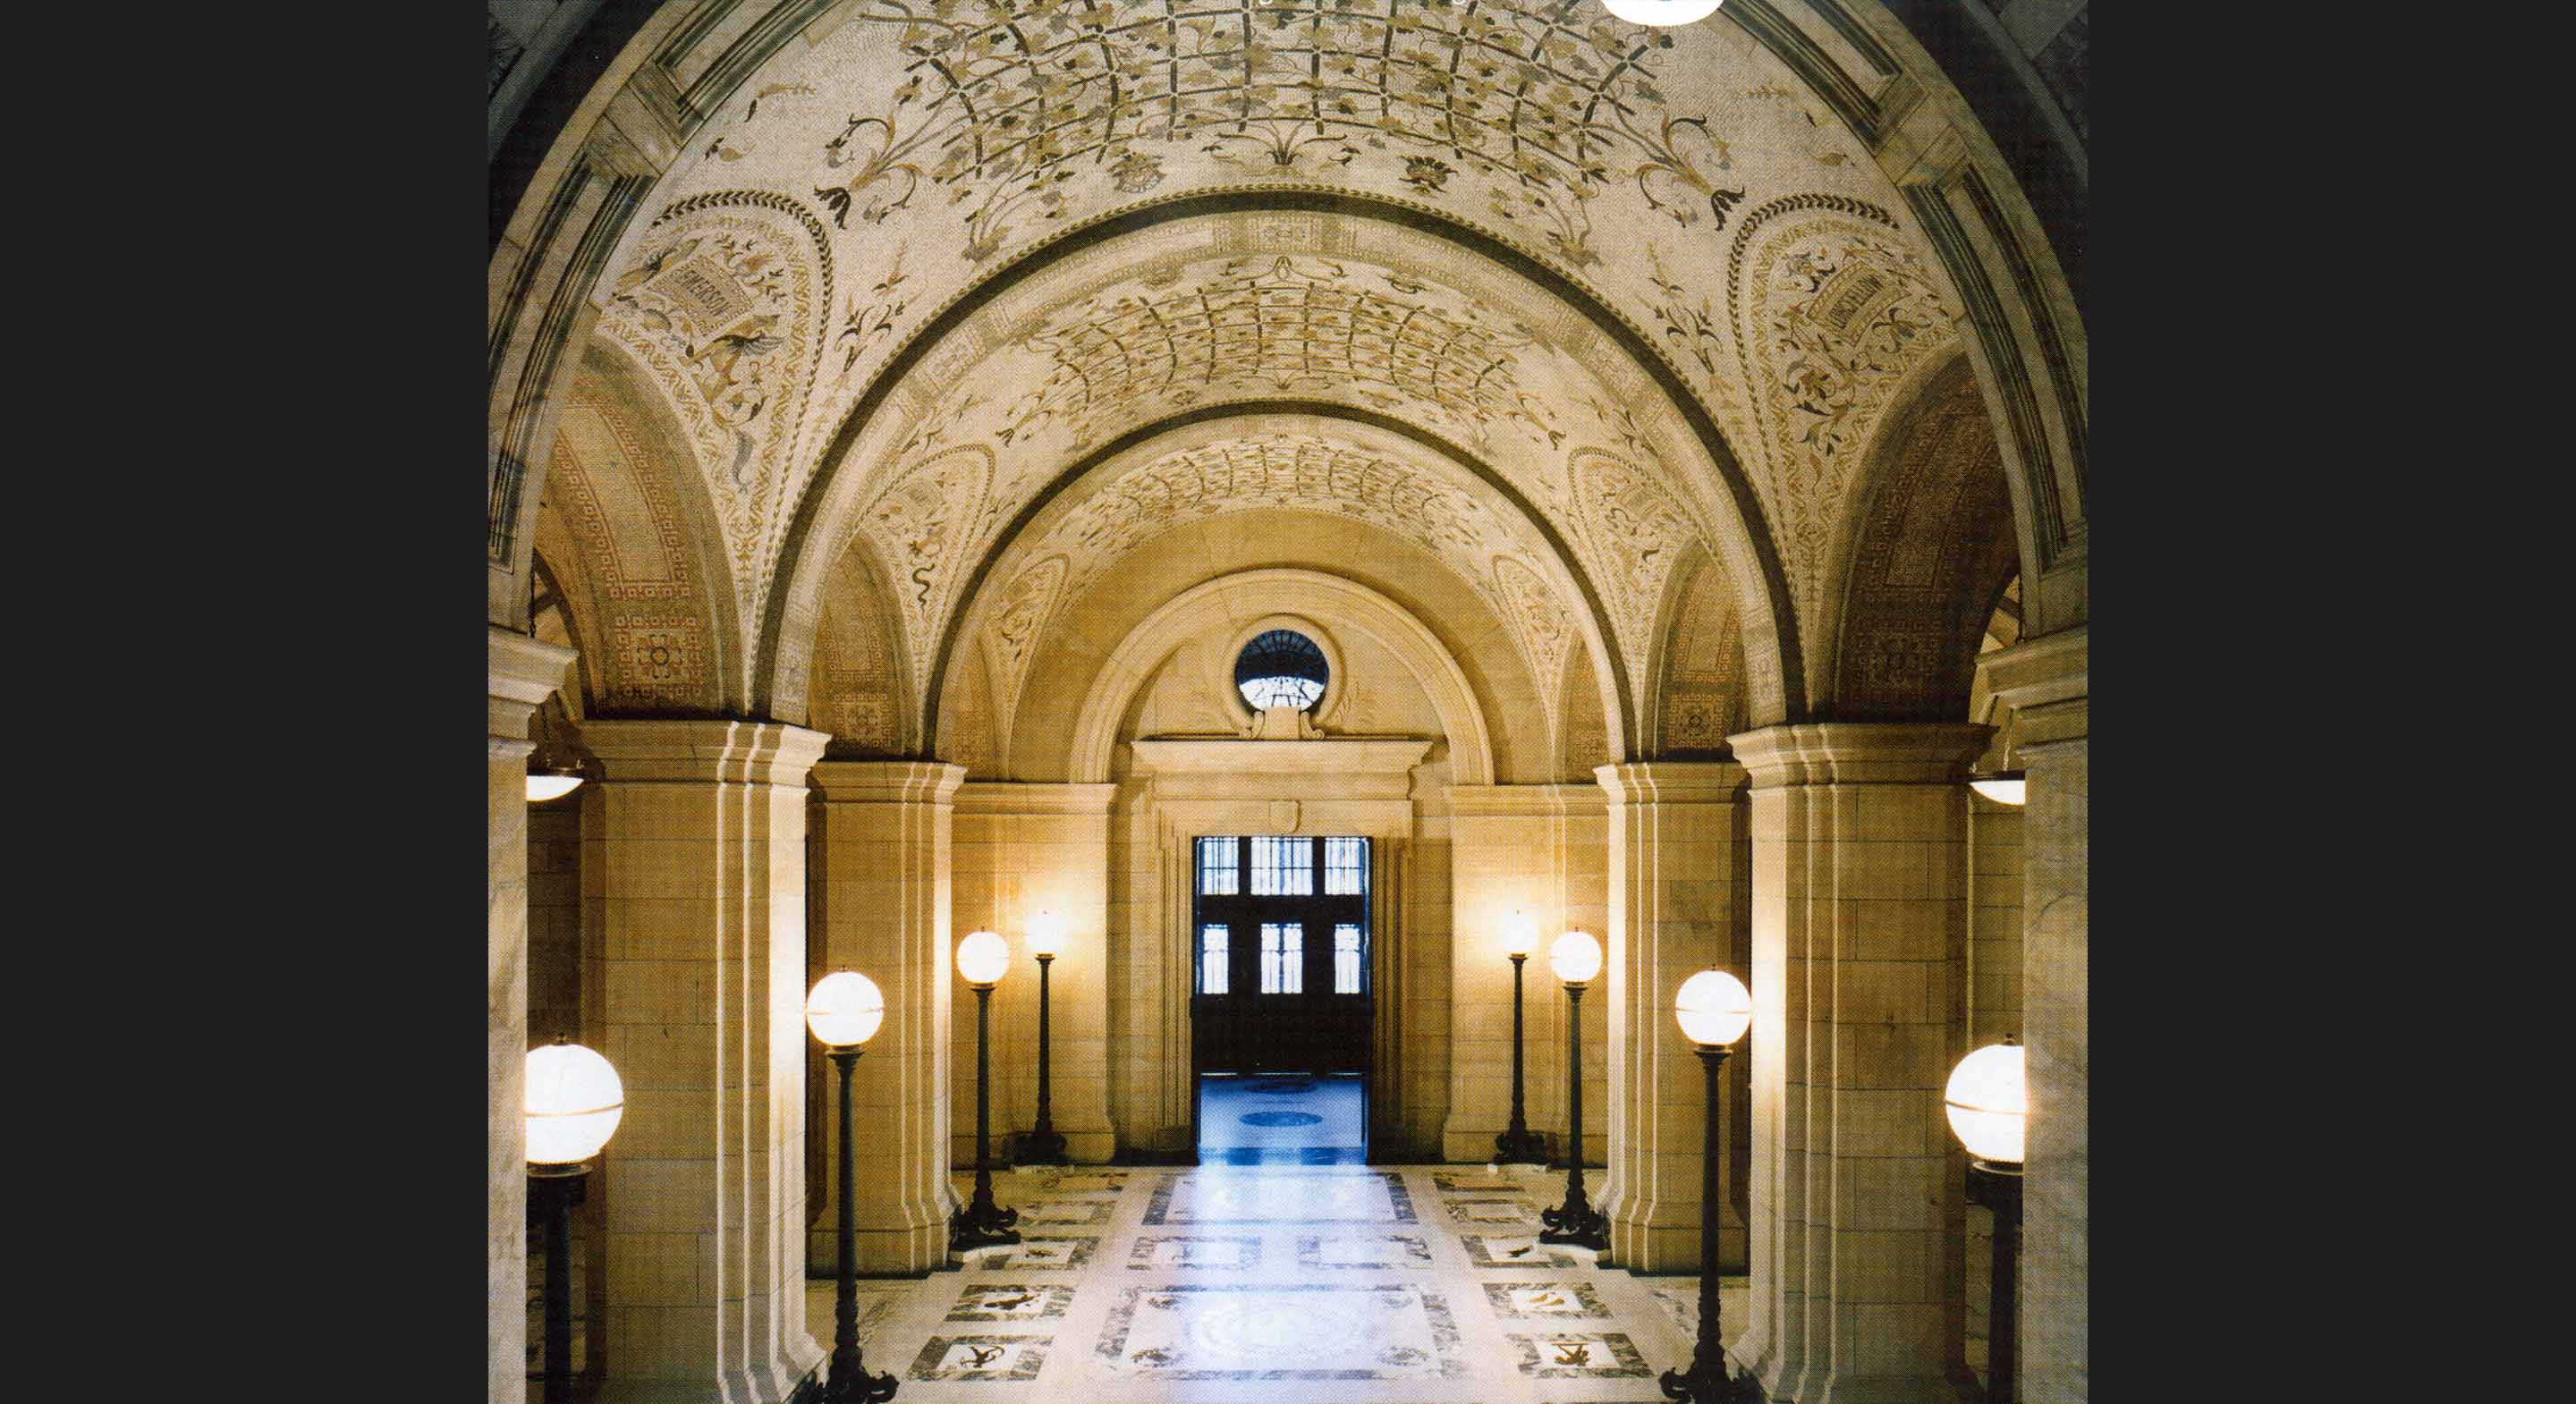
{"points": [[1281, 1006]]}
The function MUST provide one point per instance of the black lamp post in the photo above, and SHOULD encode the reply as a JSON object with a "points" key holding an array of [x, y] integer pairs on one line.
{"points": [[1043, 1145], [983, 958], [1713, 1009], [573, 1104], [844, 1012], [1989, 1106], [1519, 1144], [1577, 958]]}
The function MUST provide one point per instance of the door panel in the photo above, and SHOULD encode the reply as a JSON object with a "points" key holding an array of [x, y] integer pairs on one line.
{"points": [[1247, 884]]}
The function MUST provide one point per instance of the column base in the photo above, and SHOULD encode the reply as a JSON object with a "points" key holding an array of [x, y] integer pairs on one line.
{"points": [[1576, 1223], [1522, 1147], [1707, 1382], [1038, 1148]]}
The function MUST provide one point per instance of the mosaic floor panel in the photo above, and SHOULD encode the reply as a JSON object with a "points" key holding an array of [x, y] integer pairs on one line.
{"points": [[1277, 1284]]}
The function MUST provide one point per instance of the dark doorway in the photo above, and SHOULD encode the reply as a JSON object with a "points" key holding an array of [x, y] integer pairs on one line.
{"points": [[1280, 1004]]}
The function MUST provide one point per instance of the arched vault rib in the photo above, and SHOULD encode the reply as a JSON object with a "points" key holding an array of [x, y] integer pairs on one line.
{"points": [[1024, 544], [992, 316]]}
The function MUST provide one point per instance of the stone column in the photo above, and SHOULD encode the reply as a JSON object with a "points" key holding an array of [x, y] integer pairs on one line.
{"points": [[1673, 900], [2044, 681], [694, 854], [1859, 939], [884, 895], [521, 673]]}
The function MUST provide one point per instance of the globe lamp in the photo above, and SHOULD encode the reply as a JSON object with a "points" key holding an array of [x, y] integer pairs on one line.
{"points": [[1988, 1103], [574, 1101], [1576, 957], [845, 1009], [1660, 13], [983, 958], [1713, 1008]]}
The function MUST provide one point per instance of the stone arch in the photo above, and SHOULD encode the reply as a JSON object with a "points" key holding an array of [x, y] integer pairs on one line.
{"points": [[1699, 680], [1671, 427], [1251, 595], [861, 689], [639, 554], [1538, 587], [1931, 552]]}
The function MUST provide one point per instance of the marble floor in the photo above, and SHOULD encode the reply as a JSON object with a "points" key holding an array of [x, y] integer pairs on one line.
{"points": [[1277, 1284], [1282, 1120], [1280, 1284]]}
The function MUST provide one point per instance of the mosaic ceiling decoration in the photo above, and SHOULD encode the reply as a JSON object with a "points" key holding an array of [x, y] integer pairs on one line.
{"points": [[870, 176]]}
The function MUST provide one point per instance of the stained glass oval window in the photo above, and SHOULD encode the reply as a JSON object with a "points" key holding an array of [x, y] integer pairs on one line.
{"points": [[1281, 668]]}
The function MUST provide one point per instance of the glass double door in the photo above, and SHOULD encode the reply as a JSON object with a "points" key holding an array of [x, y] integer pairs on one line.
{"points": [[1280, 955]]}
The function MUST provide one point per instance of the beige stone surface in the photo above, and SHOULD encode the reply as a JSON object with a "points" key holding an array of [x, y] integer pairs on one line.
{"points": [[694, 874], [1859, 934]]}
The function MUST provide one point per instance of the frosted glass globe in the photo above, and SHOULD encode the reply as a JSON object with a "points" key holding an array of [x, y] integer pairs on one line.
{"points": [[1988, 1102], [1576, 956], [1046, 933], [2007, 788], [573, 1104], [1713, 1008], [551, 786], [1661, 12], [845, 1009], [1520, 934], [983, 957]]}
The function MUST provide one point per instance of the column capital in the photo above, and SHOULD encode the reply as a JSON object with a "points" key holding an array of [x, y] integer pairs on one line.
{"points": [[1671, 782], [2043, 681], [1860, 753], [522, 672], [888, 782], [712, 751]]}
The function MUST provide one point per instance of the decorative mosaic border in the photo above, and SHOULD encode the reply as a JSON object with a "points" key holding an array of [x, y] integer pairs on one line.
{"points": [[1552, 1362], [1093, 1211], [1158, 1207], [1498, 1295], [977, 1302], [1453, 1182], [1445, 1343], [1079, 1182], [1524, 1211], [1032, 1359], [1016, 1257], [1416, 1252], [1140, 1257], [1480, 1252]]}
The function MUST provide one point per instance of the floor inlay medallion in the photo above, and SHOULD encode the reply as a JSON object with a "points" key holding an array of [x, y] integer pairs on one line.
{"points": [[1515, 1213], [1036, 1253], [1286, 1331], [1066, 1211], [1391, 1250], [1010, 1301], [980, 1358], [1184, 1251], [1266, 1196], [1518, 1251], [1543, 1299], [1567, 1355]]}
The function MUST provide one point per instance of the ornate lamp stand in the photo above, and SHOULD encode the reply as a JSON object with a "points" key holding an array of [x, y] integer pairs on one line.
{"points": [[1519, 1144], [1713, 1009], [557, 1188], [981, 958], [1577, 958], [1998, 1187], [1988, 1103], [1042, 1144], [574, 1102], [844, 1011]]}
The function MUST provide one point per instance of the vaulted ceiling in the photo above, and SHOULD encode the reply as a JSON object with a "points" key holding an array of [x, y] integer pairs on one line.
{"points": [[990, 293]]}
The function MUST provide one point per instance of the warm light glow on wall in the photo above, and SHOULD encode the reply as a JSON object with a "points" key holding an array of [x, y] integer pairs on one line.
{"points": [[1713, 1008], [573, 1104], [1576, 956], [845, 1009], [1046, 932], [1660, 13], [983, 958]]}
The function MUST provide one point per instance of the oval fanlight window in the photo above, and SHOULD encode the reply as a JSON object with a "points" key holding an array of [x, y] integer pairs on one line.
{"points": [[1281, 668]]}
